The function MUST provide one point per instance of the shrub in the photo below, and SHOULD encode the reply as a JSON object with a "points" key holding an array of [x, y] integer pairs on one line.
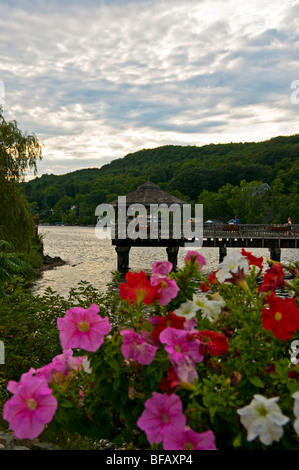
{"points": [[175, 362]]}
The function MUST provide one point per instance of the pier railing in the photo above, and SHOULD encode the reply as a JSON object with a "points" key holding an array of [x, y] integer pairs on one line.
{"points": [[249, 230], [178, 232]]}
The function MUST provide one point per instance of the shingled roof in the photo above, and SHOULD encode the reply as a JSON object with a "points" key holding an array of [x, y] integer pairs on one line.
{"points": [[150, 193]]}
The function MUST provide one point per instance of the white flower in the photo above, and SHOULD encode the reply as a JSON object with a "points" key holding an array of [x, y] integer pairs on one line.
{"points": [[296, 411], [187, 309], [263, 418], [210, 309], [231, 264], [86, 366]]}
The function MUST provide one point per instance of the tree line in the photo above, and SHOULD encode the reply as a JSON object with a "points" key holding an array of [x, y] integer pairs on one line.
{"points": [[258, 181]]}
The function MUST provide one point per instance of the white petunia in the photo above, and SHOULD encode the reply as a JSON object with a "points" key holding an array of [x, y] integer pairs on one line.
{"points": [[187, 310], [296, 412], [231, 264], [263, 418], [86, 366], [210, 309]]}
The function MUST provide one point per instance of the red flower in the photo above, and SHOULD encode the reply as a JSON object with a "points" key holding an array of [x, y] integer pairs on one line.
{"points": [[293, 374], [170, 383], [212, 278], [252, 260], [282, 317], [204, 287], [273, 278], [172, 320], [138, 289], [214, 343]]}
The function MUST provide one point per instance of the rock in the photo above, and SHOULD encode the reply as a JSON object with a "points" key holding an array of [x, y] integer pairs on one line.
{"points": [[9, 442], [20, 448], [6, 440], [50, 262]]}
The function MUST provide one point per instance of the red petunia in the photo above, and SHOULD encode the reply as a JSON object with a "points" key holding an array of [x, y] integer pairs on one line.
{"points": [[253, 260], [273, 278], [282, 317], [214, 343], [204, 287], [171, 320], [170, 383], [213, 278], [138, 289]]}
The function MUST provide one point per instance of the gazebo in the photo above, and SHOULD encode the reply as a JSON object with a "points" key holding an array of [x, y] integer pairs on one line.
{"points": [[148, 195]]}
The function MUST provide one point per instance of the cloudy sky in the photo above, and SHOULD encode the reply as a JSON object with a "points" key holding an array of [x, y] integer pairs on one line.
{"points": [[95, 80]]}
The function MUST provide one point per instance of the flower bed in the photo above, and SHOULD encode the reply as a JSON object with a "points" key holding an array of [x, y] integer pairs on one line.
{"points": [[279, 229], [194, 363], [230, 228]]}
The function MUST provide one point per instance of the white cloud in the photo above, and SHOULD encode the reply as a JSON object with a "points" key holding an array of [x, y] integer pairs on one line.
{"points": [[97, 80]]}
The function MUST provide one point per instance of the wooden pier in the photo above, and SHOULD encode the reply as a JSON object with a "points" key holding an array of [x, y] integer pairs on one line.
{"points": [[273, 237], [221, 236]]}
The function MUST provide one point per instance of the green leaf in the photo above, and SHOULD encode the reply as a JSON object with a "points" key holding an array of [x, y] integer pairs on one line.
{"points": [[256, 381], [237, 441]]}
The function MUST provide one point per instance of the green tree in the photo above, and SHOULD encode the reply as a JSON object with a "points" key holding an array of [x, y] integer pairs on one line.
{"points": [[18, 152], [10, 264]]}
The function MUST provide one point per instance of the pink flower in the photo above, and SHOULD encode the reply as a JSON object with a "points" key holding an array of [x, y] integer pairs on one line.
{"points": [[179, 344], [138, 347], [30, 408], [162, 268], [185, 370], [83, 328], [167, 288], [193, 257], [61, 366], [163, 415], [187, 439]]}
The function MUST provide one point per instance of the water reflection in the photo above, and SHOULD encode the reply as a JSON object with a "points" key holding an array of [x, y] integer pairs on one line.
{"points": [[92, 260]]}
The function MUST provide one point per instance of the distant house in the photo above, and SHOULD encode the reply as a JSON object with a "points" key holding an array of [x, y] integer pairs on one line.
{"points": [[259, 189]]}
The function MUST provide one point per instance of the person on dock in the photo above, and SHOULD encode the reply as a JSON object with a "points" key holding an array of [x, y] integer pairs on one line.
{"points": [[289, 225], [237, 223]]}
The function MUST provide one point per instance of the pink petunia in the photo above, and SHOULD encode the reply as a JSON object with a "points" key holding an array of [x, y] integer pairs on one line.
{"points": [[83, 328], [185, 369], [167, 288], [179, 344], [187, 439], [161, 268], [30, 408], [163, 415], [61, 366], [138, 347], [193, 257]]}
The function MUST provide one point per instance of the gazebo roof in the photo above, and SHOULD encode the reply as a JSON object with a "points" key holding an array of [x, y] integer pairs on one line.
{"points": [[150, 193]]}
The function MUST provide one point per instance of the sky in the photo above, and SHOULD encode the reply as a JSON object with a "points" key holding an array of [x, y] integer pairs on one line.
{"points": [[96, 80]]}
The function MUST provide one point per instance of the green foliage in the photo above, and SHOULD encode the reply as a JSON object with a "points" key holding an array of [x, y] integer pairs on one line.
{"points": [[105, 403], [204, 174], [11, 264], [28, 322], [18, 152]]}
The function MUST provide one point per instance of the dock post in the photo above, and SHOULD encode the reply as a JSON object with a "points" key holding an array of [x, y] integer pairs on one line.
{"points": [[172, 253], [123, 258], [222, 253], [275, 253]]}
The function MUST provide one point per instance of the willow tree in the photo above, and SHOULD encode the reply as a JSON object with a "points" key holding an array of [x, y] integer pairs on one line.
{"points": [[19, 152]]}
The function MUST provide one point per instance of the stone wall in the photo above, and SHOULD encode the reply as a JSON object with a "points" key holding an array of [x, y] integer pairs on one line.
{"points": [[9, 442]]}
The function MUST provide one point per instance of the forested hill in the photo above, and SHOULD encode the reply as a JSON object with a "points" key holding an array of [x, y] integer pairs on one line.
{"points": [[226, 178]]}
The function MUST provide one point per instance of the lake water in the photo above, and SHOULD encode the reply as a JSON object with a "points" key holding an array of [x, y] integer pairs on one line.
{"points": [[93, 260]]}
